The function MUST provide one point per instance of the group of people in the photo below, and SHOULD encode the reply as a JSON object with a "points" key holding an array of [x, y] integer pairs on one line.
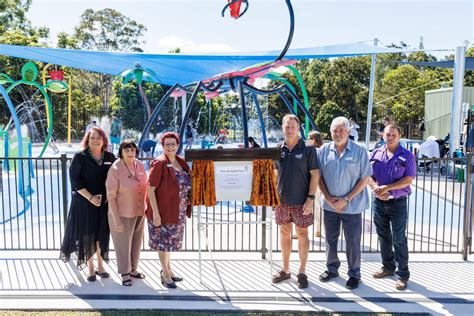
{"points": [[342, 169], [111, 196]]}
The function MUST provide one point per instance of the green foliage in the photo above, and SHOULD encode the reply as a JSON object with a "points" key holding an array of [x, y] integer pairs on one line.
{"points": [[126, 102], [108, 30], [67, 41], [403, 92], [13, 15], [103, 30], [469, 74], [314, 81], [346, 83], [328, 112], [175, 50]]}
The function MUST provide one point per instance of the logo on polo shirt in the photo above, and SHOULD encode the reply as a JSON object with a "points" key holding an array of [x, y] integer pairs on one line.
{"points": [[299, 156], [283, 154]]}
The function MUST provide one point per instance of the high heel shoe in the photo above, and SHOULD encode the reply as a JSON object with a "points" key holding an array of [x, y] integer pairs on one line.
{"points": [[175, 278], [171, 285]]}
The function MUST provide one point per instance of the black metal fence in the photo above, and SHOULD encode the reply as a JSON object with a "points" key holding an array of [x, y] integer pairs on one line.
{"points": [[34, 200]]}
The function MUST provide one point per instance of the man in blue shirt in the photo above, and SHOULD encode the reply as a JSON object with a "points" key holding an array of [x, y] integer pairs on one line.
{"points": [[345, 172]]}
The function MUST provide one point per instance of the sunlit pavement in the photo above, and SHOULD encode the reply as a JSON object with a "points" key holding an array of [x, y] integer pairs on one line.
{"points": [[440, 284]]}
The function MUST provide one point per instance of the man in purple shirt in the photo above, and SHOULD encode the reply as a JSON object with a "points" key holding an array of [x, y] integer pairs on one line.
{"points": [[394, 169]]}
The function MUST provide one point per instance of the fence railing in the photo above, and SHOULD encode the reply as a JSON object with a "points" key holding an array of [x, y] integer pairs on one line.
{"points": [[35, 201]]}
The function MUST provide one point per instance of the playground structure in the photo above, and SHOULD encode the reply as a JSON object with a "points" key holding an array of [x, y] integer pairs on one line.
{"points": [[241, 82], [27, 114], [40, 124]]}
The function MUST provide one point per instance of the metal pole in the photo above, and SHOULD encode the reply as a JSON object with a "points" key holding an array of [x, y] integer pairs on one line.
{"points": [[467, 238], [270, 252], [244, 114], [199, 243], [209, 103], [183, 107], [64, 185], [456, 108], [260, 118], [69, 110], [371, 98], [264, 232]]}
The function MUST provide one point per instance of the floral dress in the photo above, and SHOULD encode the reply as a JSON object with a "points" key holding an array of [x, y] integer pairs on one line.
{"points": [[169, 237]]}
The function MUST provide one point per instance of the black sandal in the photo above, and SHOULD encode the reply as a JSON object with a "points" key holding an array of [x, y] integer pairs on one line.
{"points": [[281, 276], [127, 281], [91, 278], [138, 275], [103, 275], [302, 281]]}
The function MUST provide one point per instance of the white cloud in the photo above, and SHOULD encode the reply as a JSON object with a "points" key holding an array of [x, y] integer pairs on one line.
{"points": [[188, 46]]}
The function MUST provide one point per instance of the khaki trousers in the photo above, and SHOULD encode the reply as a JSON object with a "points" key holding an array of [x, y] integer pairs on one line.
{"points": [[128, 243]]}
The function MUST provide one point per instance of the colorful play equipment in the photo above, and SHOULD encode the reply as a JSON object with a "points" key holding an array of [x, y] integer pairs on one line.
{"points": [[278, 77], [241, 82], [234, 7], [29, 74], [17, 145], [140, 74], [24, 190], [57, 85]]}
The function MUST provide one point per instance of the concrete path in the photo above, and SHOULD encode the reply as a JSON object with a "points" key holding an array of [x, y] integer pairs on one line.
{"points": [[37, 280]]}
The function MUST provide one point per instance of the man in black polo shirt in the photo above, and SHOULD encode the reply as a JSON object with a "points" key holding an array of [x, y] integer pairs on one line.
{"points": [[298, 178]]}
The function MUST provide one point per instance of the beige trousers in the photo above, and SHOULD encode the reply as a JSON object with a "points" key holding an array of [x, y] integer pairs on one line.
{"points": [[128, 243]]}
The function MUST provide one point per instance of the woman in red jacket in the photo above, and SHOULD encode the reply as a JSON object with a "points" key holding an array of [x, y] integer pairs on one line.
{"points": [[168, 204]]}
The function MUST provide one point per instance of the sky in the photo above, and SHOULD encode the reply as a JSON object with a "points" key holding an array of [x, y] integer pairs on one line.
{"points": [[196, 26]]}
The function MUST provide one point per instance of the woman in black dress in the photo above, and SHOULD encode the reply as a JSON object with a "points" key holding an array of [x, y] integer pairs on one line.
{"points": [[87, 229]]}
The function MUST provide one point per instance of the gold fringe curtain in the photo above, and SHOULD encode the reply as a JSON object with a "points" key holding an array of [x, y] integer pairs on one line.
{"points": [[264, 189], [203, 183]]}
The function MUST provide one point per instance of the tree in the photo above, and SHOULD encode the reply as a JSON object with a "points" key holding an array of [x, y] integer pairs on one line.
{"points": [[346, 83], [328, 112], [314, 80], [126, 102], [175, 50], [403, 92], [469, 74], [109, 30], [104, 30], [13, 15]]}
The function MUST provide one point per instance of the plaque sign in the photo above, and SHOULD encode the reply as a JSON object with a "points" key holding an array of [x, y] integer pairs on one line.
{"points": [[233, 180]]}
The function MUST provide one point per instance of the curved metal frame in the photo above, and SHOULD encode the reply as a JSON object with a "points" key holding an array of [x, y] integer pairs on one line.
{"points": [[260, 118], [23, 191], [242, 85], [155, 112], [292, 23], [292, 30], [49, 110]]}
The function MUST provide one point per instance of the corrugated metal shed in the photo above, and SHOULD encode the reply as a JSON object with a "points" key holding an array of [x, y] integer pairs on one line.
{"points": [[438, 105]]}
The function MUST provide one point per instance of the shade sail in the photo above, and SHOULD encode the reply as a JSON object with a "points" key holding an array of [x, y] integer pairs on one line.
{"points": [[179, 68]]}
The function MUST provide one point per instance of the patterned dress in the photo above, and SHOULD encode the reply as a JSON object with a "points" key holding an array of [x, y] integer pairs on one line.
{"points": [[169, 237]]}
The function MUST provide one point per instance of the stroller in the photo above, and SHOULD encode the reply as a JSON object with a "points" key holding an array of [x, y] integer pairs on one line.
{"points": [[424, 167]]}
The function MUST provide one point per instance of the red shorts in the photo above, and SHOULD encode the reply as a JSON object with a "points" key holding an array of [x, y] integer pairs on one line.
{"points": [[286, 214]]}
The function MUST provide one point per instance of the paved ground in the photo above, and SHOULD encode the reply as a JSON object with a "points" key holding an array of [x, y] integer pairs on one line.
{"points": [[440, 284]]}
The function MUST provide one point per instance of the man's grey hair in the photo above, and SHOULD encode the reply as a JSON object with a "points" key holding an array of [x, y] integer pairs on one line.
{"points": [[340, 120]]}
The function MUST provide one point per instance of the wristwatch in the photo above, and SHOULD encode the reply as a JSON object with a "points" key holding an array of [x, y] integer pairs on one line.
{"points": [[311, 196], [346, 199]]}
